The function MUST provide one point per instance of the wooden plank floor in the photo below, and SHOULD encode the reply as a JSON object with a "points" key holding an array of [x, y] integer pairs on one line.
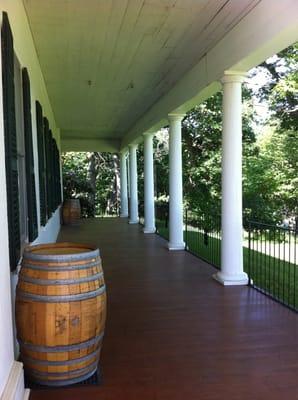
{"points": [[174, 333]]}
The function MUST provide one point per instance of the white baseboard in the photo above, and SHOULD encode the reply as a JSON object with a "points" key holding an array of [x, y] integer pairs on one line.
{"points": [[26, 394], [15, 388]]}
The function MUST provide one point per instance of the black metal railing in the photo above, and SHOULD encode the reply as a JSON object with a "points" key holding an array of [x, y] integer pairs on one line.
{"points": [[269, 252], [162, 219], [202, 236], [272, 262]]}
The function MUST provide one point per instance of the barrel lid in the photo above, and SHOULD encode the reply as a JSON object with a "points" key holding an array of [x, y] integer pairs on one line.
{"points": [[63, 251]]}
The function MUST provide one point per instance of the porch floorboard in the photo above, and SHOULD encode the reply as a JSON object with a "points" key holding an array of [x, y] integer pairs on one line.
{"points": [[174, 333]]}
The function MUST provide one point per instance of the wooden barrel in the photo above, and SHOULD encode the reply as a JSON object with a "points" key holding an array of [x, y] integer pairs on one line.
{"points": [[71, 211], [60, 312]]}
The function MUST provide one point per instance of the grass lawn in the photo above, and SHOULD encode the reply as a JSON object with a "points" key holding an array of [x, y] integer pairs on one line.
{"points": [[275, 277]]}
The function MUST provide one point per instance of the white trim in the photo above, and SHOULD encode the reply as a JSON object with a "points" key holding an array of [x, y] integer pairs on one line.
{"points": [[136, 221], [240, 280], [14, 388], [233, 76], [153, 230], [179, 246]]}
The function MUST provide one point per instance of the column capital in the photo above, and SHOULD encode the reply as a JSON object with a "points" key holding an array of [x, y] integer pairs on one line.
{"points": [[124, 151], [149, 133], [173, 117], [233, 77], [133, 146]]}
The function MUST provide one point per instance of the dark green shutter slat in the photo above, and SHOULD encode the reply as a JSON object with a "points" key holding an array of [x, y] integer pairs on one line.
{"points": [[52, 174], [10, 137], [29, 160], [41, 164], [47, 137], [58, 176], [54, 182], [46, 132]]}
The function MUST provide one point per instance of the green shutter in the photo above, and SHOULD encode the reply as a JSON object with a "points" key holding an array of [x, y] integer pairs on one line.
{"points": [[47, 138], [11, 157], [29, 160], [52, 193], [58, 180], [41, 164], [54, 183], [55, 197]]}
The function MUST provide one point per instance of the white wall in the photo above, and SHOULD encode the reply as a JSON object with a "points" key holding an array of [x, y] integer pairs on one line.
{"points": [[49, 233], [26, 54]]}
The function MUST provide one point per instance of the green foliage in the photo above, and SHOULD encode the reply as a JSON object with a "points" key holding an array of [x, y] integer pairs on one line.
{"points": [[270, 174], [94, 179], [161, 166], [284, 102], [107, 184], [75, 184], [140, 167], [270, 177]]}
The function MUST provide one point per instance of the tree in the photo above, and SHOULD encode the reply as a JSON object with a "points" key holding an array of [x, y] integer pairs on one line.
{"points": [[270, 184], [93, 178]]}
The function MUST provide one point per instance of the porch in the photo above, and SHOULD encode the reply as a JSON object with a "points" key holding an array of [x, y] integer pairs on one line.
{"points": [[173, 332]]}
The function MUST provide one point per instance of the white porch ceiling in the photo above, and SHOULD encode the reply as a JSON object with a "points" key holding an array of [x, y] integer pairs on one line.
{"points": [[106, 63]]}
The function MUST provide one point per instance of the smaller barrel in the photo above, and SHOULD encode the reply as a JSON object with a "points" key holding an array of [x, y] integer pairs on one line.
{"points": [[71, 212]]}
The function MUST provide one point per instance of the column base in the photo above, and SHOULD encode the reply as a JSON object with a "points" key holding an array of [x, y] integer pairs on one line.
{"points": [[134, 221], [124, 215], [149, 230], [237, 280], [176, 246], [15, 388]]}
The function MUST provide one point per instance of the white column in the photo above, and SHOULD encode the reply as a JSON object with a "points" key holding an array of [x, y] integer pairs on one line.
{"points": [[231, 208], [133, 209], [149, 210], [123, 186], [175, 184]]}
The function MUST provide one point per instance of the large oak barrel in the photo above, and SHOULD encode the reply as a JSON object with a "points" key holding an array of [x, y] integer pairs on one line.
{"points": [[60, 312], [71, 211]]}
